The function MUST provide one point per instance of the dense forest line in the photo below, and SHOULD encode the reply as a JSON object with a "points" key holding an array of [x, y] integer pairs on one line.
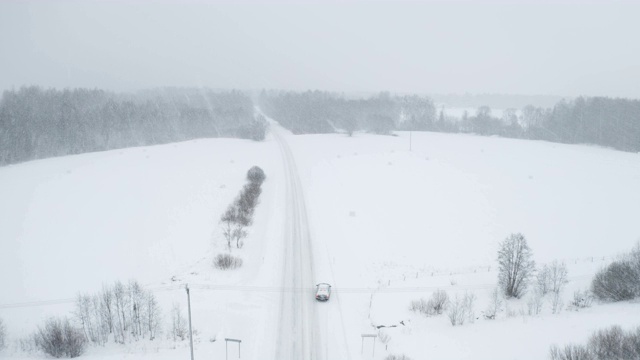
{"points": [[323, 112], [600, 121], [38, 123]]}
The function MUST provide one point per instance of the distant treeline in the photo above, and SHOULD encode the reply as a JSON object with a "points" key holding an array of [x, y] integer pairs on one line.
{"points": [[322, 112], [37, 123], [598, 120]]}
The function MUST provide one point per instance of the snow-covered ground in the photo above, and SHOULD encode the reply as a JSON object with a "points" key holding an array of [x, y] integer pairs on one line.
{"points": [[387, 226]]}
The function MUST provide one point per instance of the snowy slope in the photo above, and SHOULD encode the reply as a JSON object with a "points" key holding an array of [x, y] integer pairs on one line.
{"points": [[410, 222], [151, 214], [387, 225]]}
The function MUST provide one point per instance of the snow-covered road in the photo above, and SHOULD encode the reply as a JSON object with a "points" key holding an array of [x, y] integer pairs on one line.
{"points": [[299, 337], [304, 323]]}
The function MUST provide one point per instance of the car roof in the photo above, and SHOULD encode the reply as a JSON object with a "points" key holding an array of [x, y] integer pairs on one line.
{"points": [[323, 284]]}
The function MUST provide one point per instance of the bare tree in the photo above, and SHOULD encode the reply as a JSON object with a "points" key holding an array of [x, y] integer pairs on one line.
{"points": [[136, 308], [84, 312], [516, 265], [559, 276], [243, 220], [178, 323], [543, 280], [228, 219], [106, 307], [121, 306], [152, 316]]}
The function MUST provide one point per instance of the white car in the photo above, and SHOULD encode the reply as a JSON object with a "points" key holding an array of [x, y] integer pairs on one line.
{"points": [[323, 292]]}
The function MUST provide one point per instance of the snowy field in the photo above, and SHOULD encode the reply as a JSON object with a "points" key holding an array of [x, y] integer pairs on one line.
{"points": [[388, 226]]}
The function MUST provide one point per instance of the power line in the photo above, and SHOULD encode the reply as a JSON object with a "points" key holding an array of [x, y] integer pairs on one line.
{"points": [[37, 303], [281, 289]]}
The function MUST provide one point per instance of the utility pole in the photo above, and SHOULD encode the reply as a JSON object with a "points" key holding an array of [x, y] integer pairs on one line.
{"points": [[374, 336], [226, 349], [186, 286]]}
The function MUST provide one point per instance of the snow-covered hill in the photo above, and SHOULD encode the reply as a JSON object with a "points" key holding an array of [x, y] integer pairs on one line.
{"points": [[382, 217]]}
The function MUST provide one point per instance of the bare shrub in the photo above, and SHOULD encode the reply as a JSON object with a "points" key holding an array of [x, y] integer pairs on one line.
{"points": [[495, 305], [455, 311], [438, 302], [3, 335], [27, 344], [552, 278], [419, 306], [178, 324], [535, 302], [256, 175], [227, 262], [581, 299], [59, 338], [570, 352], [607, 344], [434, 306], [461, 309], [397, 357], [516, 265], [617, 282], [469, 301]]}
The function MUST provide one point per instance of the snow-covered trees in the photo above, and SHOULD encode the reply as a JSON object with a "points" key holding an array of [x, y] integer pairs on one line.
{"points": [[37, 123], [239, 214], [255, 130], [256, 175], [323, 112], [516, 265], [122, 312], [552, 278]]}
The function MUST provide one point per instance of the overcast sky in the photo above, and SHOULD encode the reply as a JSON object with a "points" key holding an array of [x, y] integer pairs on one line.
{"points": [[425, 47]]}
